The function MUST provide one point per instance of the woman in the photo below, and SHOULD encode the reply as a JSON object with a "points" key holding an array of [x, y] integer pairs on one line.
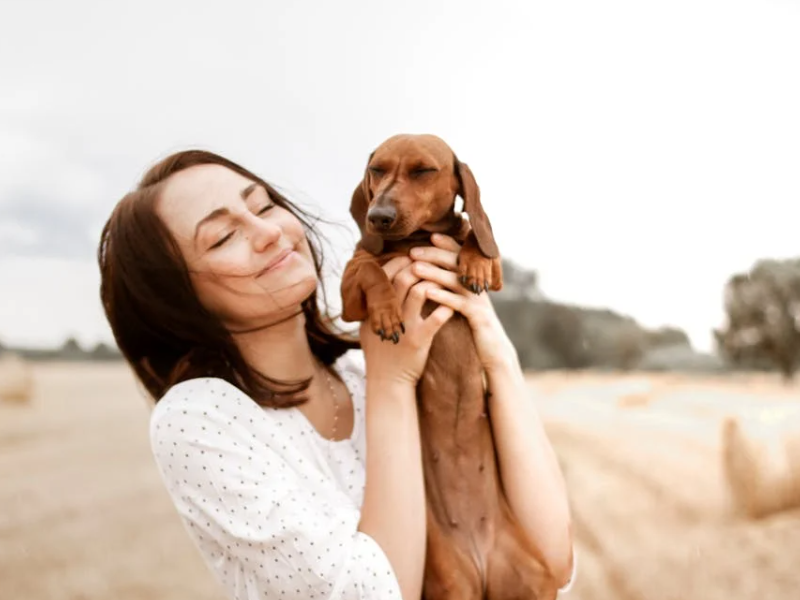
{"points": [[296, 474]]}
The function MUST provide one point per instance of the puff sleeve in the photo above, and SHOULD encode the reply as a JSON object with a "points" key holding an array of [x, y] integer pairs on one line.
{"points": [[265, 519]]}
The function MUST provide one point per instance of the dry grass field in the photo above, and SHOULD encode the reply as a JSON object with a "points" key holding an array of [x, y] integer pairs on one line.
{"points": [[84, 515]]}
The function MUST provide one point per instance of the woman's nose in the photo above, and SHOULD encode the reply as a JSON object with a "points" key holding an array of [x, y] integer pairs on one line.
{"points": [[263, 233]]}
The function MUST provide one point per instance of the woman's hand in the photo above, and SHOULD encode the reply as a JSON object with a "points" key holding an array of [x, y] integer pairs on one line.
{"points": [[437, 264], [403, 362]]}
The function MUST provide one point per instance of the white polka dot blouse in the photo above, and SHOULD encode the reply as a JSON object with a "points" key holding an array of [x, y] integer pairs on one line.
{"points": [[272, 506]]}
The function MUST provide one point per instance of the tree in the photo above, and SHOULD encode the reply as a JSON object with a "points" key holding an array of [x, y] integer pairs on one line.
{"points": [[519, 282], [667, 336], [103, 351], [560, 330], [763, 317]]}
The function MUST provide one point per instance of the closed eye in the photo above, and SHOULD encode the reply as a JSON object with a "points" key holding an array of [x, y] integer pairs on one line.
{"points": [[221, 241], [377, 171], [265, 209], [227, 237], [420, 171]]}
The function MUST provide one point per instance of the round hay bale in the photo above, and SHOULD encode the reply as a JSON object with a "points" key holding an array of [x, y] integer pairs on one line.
{"points": [[633, 393], [761, 464], [793, 460], [16, 379], [633, 400]]}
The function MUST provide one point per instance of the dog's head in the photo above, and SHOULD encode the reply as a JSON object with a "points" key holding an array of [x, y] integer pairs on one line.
{"points": [[410, 183]]}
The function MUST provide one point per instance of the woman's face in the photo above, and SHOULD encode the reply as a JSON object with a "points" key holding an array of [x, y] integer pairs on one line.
{"points": [[249, 260]]}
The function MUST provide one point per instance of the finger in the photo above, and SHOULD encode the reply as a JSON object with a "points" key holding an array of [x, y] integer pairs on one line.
{"points": [[456, 302], [403, 281], [395, 265], [430, 272], [437, 256], [416, 298], [436, 319], [445, 241]]}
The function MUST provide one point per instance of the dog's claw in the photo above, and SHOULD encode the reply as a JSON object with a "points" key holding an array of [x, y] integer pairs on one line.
{"points": [[395, 337], [402, 328], [464, 280], [486, 286], [382, 334]]}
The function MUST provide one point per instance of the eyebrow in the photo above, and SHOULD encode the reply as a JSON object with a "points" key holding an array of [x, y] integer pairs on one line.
{"points": [[220, 212], [248, 190]]}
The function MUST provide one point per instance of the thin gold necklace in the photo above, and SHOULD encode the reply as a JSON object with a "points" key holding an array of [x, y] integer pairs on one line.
{"points": [[335, 403]]}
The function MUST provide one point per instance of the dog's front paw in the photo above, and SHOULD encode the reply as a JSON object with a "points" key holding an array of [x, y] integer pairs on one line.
{"points": [[478, 273], [386, 320]]}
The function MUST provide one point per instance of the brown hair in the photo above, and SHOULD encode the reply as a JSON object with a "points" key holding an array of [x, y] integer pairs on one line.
{"points": [[161, 328]]}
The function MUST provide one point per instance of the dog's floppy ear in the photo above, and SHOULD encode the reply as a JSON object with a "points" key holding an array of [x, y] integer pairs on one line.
{"points": [[479, 222], [359, 204]]}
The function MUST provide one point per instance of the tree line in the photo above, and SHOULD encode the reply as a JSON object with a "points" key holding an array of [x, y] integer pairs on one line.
{"points": [[761, 332], [762, 329]]}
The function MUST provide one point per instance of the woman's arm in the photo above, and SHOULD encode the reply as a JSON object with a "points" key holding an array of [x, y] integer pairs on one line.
{"points": [[393, 511], [529, 469]]}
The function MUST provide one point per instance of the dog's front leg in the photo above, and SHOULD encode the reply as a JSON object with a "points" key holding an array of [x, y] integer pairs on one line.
{"points": [[477, 272], [368, 293]]}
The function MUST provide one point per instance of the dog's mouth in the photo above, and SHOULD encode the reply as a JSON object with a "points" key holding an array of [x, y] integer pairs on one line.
{"points": [[418, 235], [403, 229], [398, 230], [392, 236]]}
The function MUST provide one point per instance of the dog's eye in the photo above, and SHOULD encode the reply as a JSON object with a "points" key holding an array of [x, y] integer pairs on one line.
{"points": [[377, 171], [419, 171]]}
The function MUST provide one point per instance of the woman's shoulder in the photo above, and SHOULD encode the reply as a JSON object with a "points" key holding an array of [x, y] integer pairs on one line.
{"points": [[201, 392], [203, 399], [214, 402]]}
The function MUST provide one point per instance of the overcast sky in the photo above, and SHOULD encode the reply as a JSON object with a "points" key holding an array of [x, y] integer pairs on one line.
{"points": [[634, 153]]}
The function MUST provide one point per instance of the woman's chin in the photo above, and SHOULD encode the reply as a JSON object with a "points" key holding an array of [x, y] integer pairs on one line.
{"points": [[298, 291], [286, 301], [258, 323]]}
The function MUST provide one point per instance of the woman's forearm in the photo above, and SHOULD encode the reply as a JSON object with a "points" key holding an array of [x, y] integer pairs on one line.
{"points": [[529, 469], [393, 512]]}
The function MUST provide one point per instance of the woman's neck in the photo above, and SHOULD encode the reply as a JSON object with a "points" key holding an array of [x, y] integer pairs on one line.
{"points": [[280, 351]]}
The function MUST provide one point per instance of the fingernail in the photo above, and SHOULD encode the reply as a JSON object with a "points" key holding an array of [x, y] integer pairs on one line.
{"points": [[416, 252]]}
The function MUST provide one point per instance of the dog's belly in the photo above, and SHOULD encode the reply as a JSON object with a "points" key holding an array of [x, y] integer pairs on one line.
{"points": [[475, 548], [461, 477]]}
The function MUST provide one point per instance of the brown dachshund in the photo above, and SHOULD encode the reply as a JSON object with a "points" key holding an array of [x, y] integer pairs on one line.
{"points": [[475, 547]]}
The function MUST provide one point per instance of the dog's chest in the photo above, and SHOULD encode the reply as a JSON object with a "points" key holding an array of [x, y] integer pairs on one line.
{"points": [[452, 384]]}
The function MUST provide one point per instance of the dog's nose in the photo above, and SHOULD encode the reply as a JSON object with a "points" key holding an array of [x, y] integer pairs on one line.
{"points": [[382, 217]]}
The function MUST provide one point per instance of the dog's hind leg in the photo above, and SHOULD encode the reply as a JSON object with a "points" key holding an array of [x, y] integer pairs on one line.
{"points": [[450, 573], [514, 571]]}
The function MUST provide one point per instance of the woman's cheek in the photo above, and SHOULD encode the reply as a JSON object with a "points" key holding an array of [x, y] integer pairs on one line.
{"points": [[237, 260]]}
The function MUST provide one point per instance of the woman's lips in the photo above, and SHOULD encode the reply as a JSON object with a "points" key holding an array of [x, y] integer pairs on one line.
{"points": [[280, 261]]}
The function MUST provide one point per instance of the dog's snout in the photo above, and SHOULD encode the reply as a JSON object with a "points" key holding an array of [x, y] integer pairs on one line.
{"points": [[382, 217]]}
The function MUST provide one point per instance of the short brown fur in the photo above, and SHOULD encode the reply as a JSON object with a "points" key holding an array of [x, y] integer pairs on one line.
{"points": [[475, 548]]}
